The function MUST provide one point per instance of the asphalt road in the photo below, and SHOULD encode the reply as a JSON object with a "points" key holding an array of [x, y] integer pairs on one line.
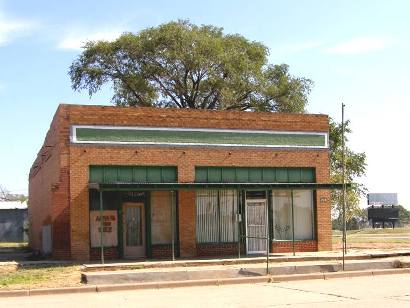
{"points": [[378, 291]]}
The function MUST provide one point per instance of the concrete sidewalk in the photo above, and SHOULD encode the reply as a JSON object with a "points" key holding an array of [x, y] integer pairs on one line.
{"points": [[353, 254], [284, 267], [237, 270]]}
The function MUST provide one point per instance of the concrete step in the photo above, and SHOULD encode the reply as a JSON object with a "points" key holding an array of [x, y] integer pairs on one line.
{"points": [[229, 271]]}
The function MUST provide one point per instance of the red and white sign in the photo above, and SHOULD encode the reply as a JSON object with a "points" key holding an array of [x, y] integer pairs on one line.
{"points": [[109, 226]]}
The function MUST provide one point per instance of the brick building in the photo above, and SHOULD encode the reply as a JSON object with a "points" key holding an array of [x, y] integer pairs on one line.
{"points": [[185, 182]]}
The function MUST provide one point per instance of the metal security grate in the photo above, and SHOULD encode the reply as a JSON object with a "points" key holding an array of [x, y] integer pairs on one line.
{"points": [[133, 226], [256, 224]]}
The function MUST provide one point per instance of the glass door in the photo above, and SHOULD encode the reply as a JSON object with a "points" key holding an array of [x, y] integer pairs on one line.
{"points": [[134, 229]]}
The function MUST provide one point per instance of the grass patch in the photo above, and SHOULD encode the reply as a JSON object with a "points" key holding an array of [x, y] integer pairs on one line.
{"points": [[381, 231], [380, 238], [375, 241], [374, 231], [40, 276]]}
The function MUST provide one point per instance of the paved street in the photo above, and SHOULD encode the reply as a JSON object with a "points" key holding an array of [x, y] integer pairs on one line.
{"points": [[379, 291]]}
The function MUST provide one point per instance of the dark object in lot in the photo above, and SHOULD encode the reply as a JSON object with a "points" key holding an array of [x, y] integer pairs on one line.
{"points": [[383, 214], [13, 224]]}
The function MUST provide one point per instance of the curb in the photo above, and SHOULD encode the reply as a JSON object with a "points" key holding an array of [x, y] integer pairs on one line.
{"points": [[48, 291], [178, 284], [202, 282]]}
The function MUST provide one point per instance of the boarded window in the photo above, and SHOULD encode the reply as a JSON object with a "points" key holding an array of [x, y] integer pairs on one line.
{"points": [[215, 216], [110, 224], [161, 232]]}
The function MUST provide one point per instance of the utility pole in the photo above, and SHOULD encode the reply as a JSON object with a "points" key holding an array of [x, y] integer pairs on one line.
{"points": [[344, 187]]}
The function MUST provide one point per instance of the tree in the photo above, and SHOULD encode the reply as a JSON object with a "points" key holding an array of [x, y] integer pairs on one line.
{"points": [[5, 195], [404, 215], [355, 168], [182, 65]]}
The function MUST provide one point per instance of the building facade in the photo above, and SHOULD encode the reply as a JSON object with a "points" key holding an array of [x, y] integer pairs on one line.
{"points": [[188, 183]]}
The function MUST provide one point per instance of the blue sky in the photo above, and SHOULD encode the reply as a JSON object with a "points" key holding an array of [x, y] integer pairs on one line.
{"points": [[355, 51]]}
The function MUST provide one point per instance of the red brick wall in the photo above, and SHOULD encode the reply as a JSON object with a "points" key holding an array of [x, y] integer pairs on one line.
{"points": [[186, 220], [300, 246], [49, 189], [231, 249], [185, 158], [110, 253], [163, 251], [107, 115], [215, 250]]}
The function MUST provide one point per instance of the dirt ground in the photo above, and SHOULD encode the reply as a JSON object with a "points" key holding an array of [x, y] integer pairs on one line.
{"points": [[398, 238]]}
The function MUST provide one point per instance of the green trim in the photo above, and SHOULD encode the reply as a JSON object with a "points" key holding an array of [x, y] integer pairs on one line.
{"points": [[177, 244], [133, 174], [254, 175], [243, 219], [129, 187], [213, 137], [270, 218], [148, 232], [218, 216]]}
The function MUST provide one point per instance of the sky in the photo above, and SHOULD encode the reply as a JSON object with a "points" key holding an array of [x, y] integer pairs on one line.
{"points": [[355, 51]]}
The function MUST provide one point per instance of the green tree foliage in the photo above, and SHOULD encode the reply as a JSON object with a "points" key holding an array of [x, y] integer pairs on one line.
{"points": [[355, 168], [182, 65], [404, 215]]}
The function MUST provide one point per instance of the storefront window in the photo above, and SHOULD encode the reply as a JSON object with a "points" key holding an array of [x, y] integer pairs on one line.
{"points": [[303, 205], [215, 216], [282, 214]]}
